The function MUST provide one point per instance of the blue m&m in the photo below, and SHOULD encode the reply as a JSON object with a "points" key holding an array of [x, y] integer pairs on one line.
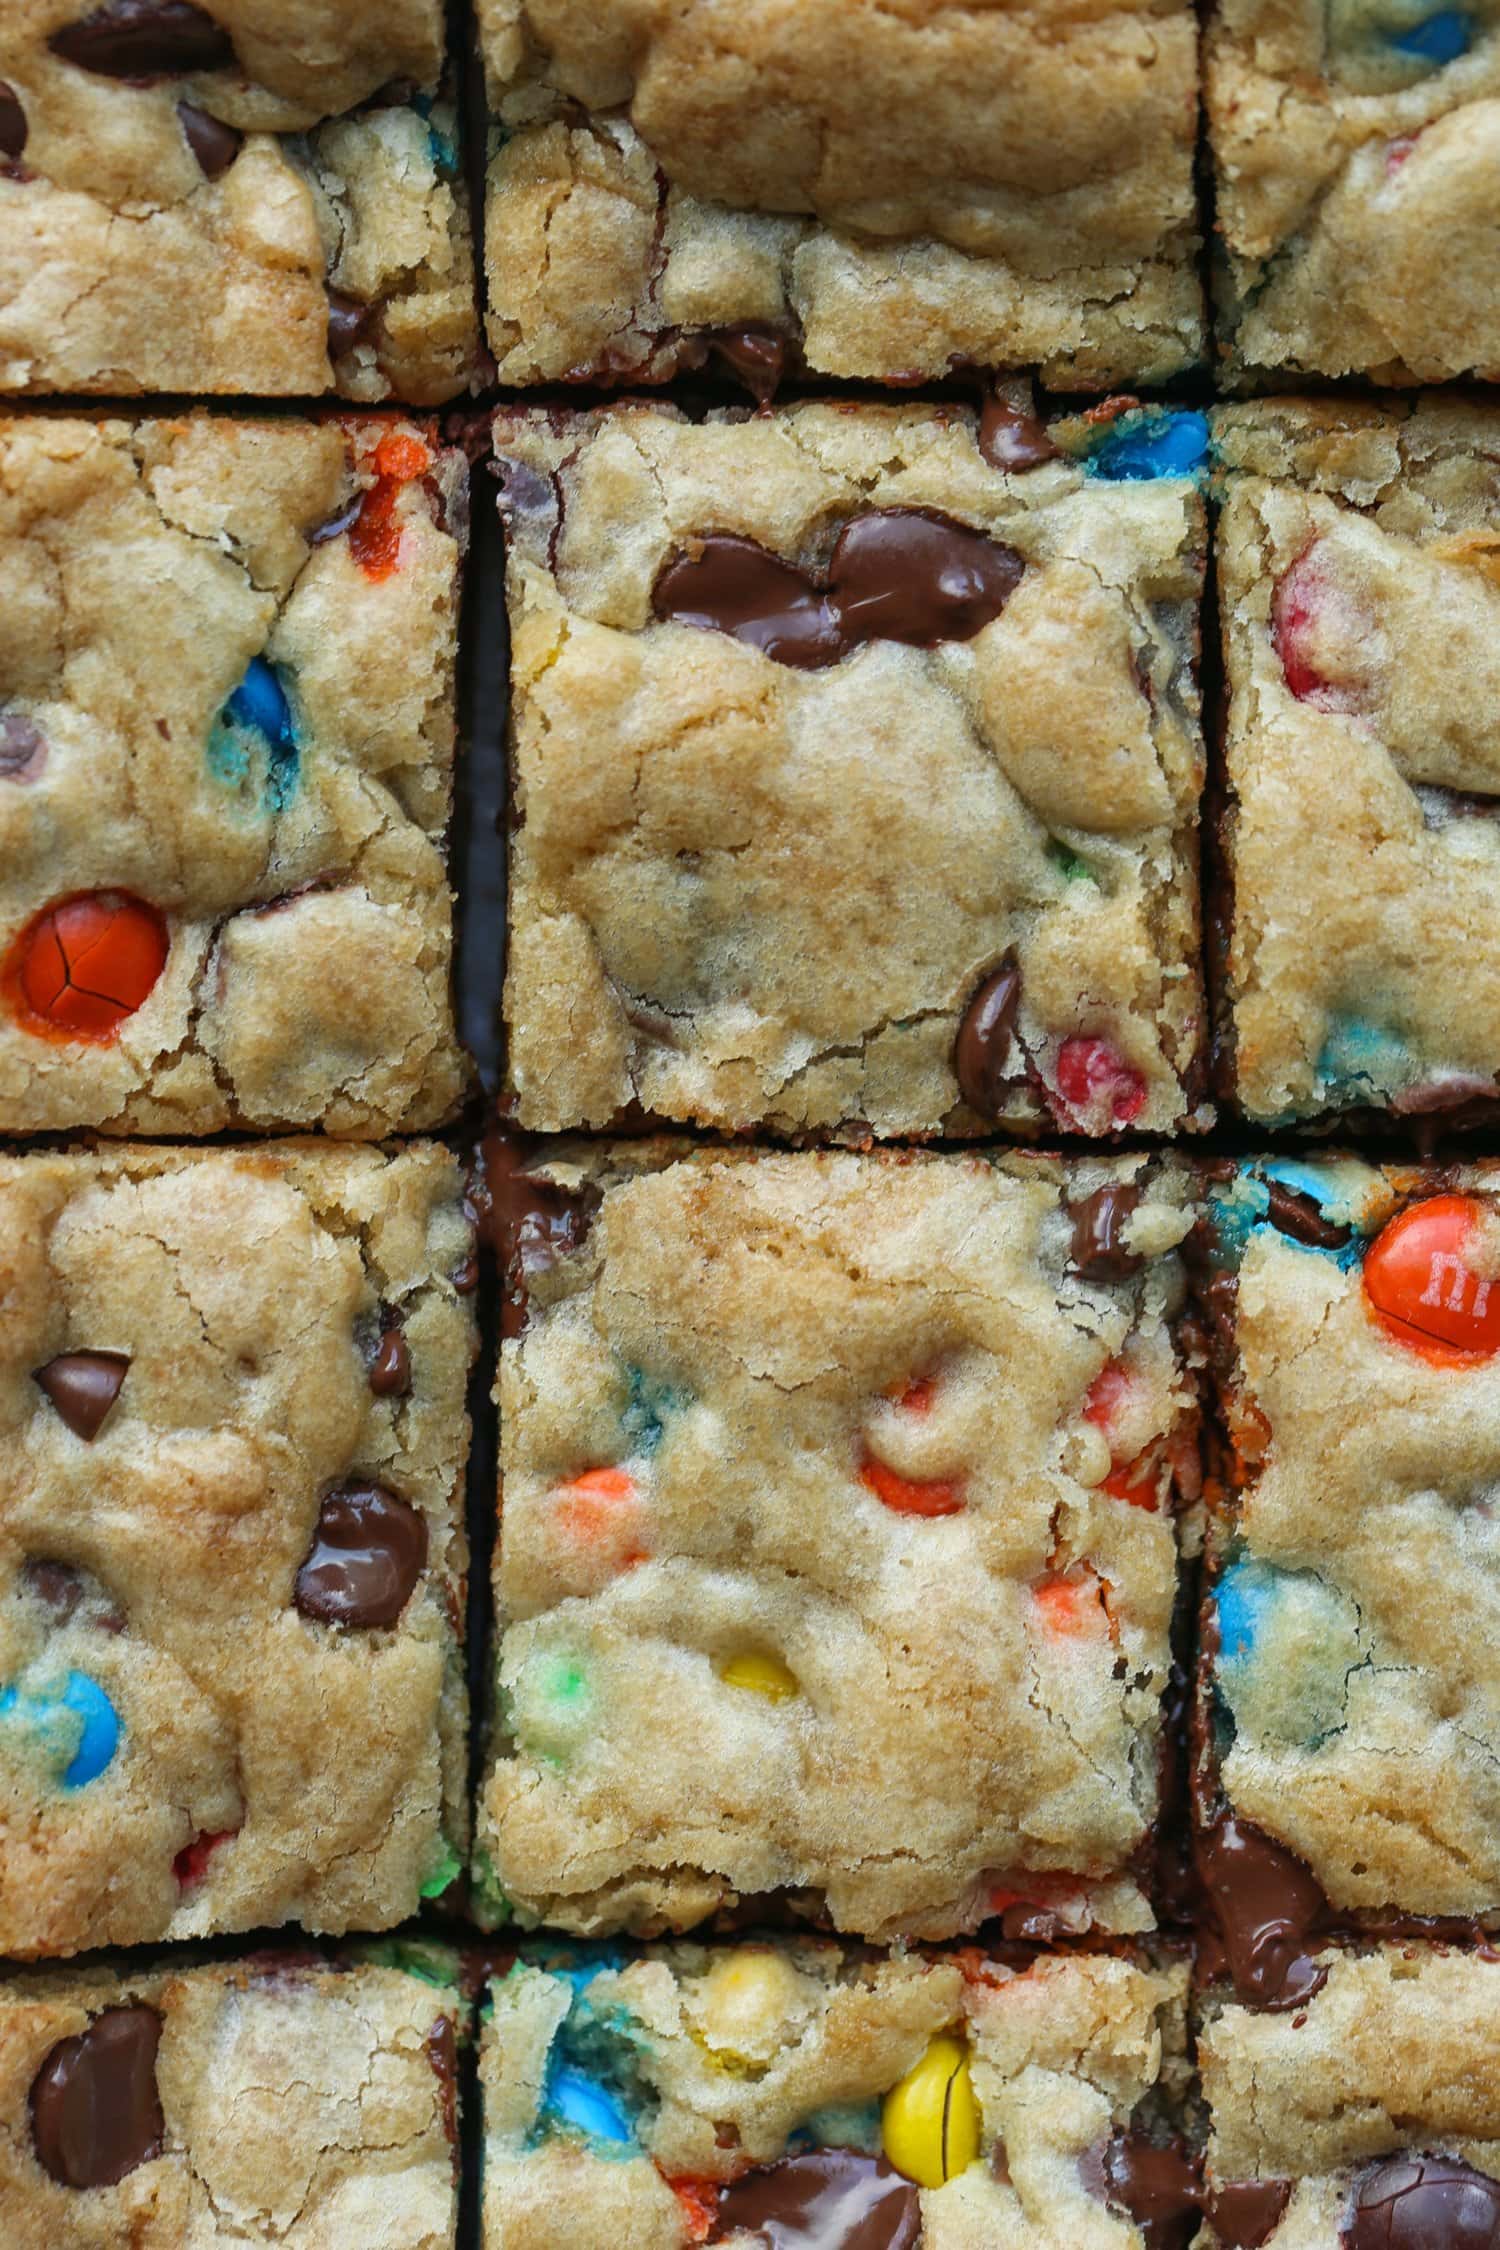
{"points": [[1152, 443], [74, 1722]]}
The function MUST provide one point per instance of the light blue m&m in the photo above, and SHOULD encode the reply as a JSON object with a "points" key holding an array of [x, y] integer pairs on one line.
{"points": [[258, 717], [1156, 443], [575, 2100], [76, 1725]]}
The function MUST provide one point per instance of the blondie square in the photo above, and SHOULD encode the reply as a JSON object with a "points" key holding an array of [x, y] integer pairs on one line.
{"points": [[278, 2099], [1357, 167], [855, 777], [1349, 1738], [226, 753], [231, 1540], [838, 1555], [261, 197], [788, 2092], [1359, 567], [842, 185]]}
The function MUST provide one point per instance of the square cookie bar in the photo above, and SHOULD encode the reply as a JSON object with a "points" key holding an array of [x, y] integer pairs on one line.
{"points": [[1359, 571], [226, 757], [791, 2093], [1349, 1754], [1356, 150], [838, 1553], [265, 200], [855, 777], [276, 2099], [854, 188], [1367, 2120], [231, 1540]]}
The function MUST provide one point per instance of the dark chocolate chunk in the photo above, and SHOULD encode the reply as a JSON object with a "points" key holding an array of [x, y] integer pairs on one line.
{"points": [[982, 1050], [1100, 1252], [1299, 1216], [145, 39], [23, 746], [215, 144], [1157, 2185], [95, 2110], [529, 1223], [731, 585], [390, 1370], [56, 1584], [348, 323], [1245, 2212], [1012, 439], [757, 355], [1423, 2203], [12, 147], [1269, 1908], [367, 1554], [83, 1386], [825, 2199]]}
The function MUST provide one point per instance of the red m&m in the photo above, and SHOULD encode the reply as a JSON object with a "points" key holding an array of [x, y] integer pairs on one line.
{"points": [[1090, 1073], [1423, 1290], [84, 964]]}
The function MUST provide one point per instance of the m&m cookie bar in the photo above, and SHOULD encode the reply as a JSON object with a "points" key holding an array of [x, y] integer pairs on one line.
{"points": [[1348, 1767], [232, 197], [843, 186], [790, 2093], [276, 2099], [226, 750], [1357, 918], [856, 769], [231, 1540], [837, 1557], [1356, 154]]}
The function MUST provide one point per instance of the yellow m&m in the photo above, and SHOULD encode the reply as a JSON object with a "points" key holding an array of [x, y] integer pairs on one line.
{"points": [[930, 2121], [760, 1675]]}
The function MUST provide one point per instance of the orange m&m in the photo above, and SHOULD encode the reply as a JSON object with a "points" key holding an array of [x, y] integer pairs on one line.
{"points": [[84, 964], [910, 1496], [1422, 1289]]}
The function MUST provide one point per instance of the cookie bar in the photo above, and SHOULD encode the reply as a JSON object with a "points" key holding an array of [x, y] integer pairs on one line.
{"points": [[226, 750], [1359, 567], [789, 2093], [232, 197], [855, 778], [275, 2099], [231, 1540], [1356, 150], [818, 1468], [1349, 1767], [1370, 2119], [836, 184]]}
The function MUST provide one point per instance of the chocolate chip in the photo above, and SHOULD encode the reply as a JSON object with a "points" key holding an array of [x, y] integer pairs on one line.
{"points": [[730, 585], [1245, 2213], [83, 1386], [981, 1052], [1269, 1908], [348, 323], [1011, 439], [442, 2053], [390, 1370], [757, 355], [23, 746], [1299, 1216], [367, 1554], [145, 39], [57, 1584], [12, 146], [1157, 2184], [95, 2110], [1423, 2203], [1100, 1252], [215, 144], [529, 1223], [827, 2195]]}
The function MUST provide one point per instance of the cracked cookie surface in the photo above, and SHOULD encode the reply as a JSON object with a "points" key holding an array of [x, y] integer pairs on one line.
{"points": [[765, 885], [884, 191], [264, 198], [1359, 568], [838, 1555], [232, 1555], [226, 747]]}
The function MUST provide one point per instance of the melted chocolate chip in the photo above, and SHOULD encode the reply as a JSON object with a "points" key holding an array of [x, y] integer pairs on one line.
{"points": [[442, 2053], [390, 1370], [1299, 1216], [95, 2110], [145, 39], [1269, 1908], [896, 574], [23, 747], [1100, 1252], [1012, 439], [367, 1554], [348, 323], [982, 1050], [1156, 2185], [529, 1223], [757, 355], [1245, 2212], [56, 1584], [215, 144], [83, 1386], [1423, 2203], [826, 2199], [12, 147]]}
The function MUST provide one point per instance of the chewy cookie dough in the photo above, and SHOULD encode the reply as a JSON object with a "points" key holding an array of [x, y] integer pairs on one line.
{"points": [[860, 189], [1357, 166], [855, 778], [791, 2093], [1350, 1760], [280, 2099], [838, 1550], [231, 1540], [226, 752], [261, 197], [1359, 570]]}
